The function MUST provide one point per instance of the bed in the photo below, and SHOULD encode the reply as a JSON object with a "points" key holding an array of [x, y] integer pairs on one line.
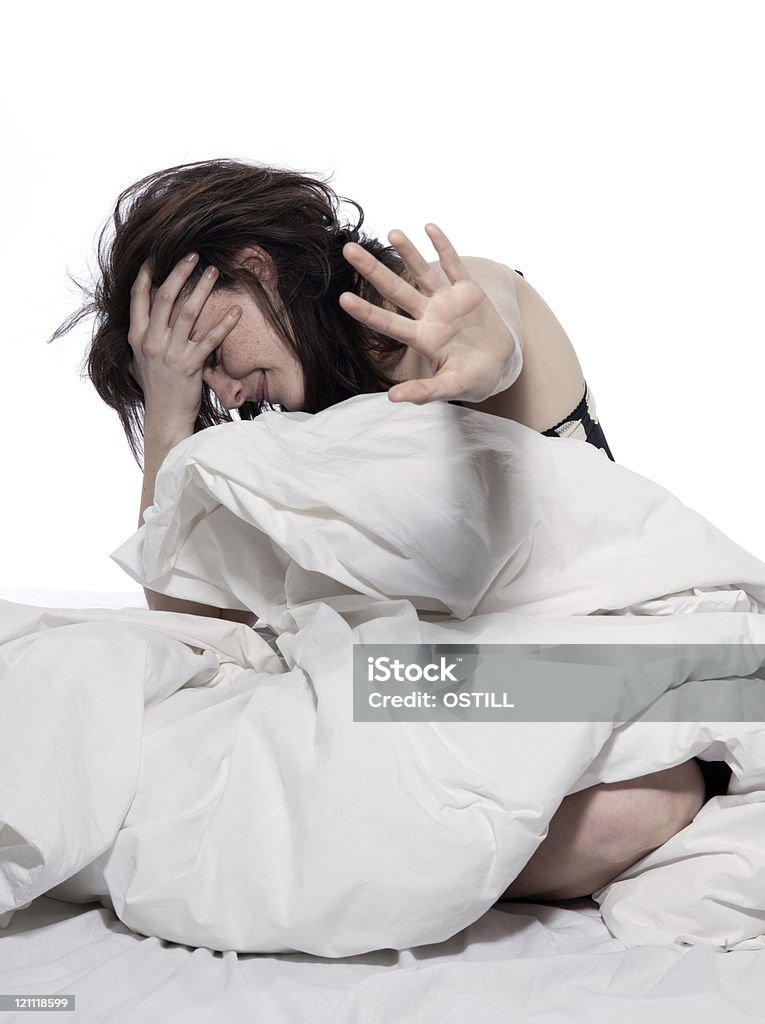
{"points": [[553, 962], [526, 962], [540, 963]]}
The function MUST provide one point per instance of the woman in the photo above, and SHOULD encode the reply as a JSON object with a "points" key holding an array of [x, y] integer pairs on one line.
{"points": [[229, 286]]}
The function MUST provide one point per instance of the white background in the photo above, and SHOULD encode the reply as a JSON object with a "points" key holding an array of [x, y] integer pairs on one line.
{"points": [[611, 151]]}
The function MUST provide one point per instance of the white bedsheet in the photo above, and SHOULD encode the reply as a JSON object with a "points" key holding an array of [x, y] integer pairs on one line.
{"points": [[237, 805], [530, 963], [522, 962]]}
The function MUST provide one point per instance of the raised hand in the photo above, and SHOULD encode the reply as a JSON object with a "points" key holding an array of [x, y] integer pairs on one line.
{"points": [[454, 325], [167, 362]]}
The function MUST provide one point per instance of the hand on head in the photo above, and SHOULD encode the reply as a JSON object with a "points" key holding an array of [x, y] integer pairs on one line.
{"points": [[168, 357]]}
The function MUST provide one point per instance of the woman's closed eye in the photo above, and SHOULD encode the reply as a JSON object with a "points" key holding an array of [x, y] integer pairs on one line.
{"points": [[213, 360]]}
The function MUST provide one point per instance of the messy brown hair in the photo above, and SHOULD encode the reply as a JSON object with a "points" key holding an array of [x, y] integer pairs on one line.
{"points": [[217, 208]]}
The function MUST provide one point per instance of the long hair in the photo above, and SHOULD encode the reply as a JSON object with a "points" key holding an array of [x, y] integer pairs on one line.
{"points": [[216, 208]]}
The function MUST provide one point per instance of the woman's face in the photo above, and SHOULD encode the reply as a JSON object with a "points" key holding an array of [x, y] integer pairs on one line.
{"points": [[252, 363]]}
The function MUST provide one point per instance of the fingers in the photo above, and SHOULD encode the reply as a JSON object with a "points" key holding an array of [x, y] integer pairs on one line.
{"points": [[164, 311], [384, 280], [217, 334], [420, 270], [442, 387], [447, 255], [160, 326], [164, 300], [140, 304], [393, 325], [185, 315]]}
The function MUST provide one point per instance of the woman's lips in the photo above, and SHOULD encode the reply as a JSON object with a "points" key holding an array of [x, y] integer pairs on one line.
{"points": [[261, 395]]}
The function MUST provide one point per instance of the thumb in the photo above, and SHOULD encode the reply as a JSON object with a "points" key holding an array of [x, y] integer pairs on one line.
{"points": [[419, 392]]}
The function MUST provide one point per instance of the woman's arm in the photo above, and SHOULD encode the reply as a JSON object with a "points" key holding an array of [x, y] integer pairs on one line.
{"points": [[466, 319], [160, 438], [168, 366], [551, 382]]}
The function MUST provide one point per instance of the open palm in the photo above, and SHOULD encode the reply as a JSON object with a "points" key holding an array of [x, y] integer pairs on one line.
{"points": [[454, 325]]}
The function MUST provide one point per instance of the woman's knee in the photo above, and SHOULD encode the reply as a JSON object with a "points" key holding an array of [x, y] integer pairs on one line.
{"points": [[599, 832], [639, 815]]}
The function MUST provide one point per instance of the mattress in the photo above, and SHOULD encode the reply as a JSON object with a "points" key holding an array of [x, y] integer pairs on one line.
{"points": [[538, 963], [553, 962]]}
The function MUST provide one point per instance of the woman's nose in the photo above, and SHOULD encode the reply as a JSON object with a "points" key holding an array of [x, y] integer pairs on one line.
{"points": [[230, 393]]}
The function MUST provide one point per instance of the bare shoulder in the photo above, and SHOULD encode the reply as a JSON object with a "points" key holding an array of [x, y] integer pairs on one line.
{"points": [[487, 272], [479, 266], [551, 382], [499, 283]]}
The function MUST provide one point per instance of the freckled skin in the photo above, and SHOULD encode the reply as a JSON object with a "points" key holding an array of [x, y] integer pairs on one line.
{"points": [[251, 347]]}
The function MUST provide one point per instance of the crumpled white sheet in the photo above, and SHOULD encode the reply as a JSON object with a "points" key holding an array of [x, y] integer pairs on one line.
{"points": [[246, 810]]}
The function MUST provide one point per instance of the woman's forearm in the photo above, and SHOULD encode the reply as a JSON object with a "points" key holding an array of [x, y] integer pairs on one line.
{"points": [[160, 437]]}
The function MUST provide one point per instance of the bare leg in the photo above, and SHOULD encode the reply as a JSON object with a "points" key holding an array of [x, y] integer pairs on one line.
{"points": [[601, 831]]}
